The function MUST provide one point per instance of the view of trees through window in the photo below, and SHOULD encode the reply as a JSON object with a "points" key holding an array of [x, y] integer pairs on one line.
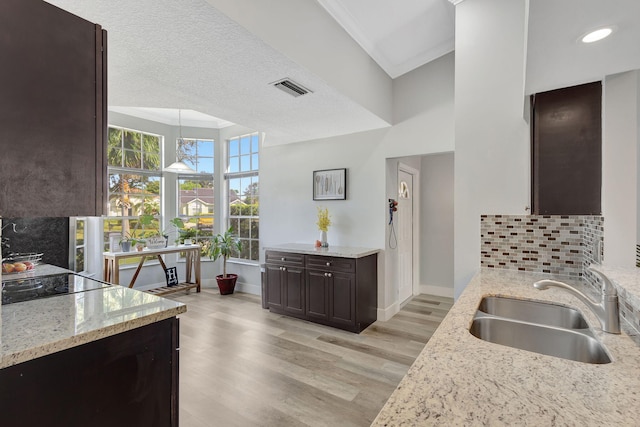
{"points": [[134, 160], [243, 185], [135, 188], [196, 192]]}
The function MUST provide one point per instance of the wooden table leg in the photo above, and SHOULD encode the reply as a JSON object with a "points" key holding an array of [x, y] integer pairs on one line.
{"points": [[164, 267], [135, 275], [188, 260], [196, 268], [115, 271]]}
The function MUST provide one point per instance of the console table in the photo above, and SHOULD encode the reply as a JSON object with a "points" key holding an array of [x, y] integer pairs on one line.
{"points": [[192, 257]]}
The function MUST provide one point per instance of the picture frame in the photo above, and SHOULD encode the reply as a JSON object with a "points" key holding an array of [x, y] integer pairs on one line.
{"points": [[330, 184]]}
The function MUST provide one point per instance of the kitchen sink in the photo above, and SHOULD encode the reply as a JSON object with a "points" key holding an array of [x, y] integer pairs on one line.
{"points": [[534, 312], [540, 327], [558, 342]]}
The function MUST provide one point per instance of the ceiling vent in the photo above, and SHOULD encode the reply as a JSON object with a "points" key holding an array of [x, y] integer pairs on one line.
{"points": [[291, 87]]}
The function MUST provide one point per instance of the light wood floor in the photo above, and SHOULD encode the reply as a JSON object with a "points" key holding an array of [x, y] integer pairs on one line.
{"points": [[241, 365]]}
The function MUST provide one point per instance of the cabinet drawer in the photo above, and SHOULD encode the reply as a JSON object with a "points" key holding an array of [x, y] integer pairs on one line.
{"points": [[347, 265], [285, 258]]}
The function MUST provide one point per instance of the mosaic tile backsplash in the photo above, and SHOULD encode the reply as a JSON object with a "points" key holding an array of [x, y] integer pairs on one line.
{"points": [[545, 244]]}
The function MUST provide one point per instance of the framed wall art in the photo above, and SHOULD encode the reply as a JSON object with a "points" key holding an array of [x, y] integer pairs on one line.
{"points": [[330, 184]]}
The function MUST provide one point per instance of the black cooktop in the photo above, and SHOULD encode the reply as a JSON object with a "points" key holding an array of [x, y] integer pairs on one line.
{"points": [[30, 288]]}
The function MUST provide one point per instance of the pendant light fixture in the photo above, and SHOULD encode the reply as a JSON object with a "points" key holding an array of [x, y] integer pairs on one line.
{"points": [[179, 166]]}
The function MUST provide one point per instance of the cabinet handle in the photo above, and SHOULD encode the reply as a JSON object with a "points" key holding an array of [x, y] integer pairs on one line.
{"points": [[328, 274], [284, 268], [328, 264], [282, 259]]}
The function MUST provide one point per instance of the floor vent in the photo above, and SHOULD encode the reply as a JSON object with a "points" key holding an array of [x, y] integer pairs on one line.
{"points": [[290, 87]]}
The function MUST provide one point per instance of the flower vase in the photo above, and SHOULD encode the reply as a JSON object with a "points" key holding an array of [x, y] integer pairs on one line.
{"points": [[323, 239]]}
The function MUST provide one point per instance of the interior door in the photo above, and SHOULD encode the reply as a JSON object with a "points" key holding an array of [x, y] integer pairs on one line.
{"points": [[405, 235]]}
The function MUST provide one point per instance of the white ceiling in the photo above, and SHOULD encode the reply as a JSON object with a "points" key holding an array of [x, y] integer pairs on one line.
{"points": [[188, 55], [399, 35]]}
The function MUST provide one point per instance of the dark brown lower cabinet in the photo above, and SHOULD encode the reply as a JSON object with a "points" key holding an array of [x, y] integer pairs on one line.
{"points": [[129, 379], [335, 291]]}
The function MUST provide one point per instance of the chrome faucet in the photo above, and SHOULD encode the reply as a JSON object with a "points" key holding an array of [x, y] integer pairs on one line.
{"points": [[606, 311]]}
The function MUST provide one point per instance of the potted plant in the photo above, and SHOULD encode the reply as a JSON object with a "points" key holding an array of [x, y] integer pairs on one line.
{"points": [[224, 245]]}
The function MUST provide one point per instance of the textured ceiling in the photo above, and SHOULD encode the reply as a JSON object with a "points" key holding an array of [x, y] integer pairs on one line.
{"points": [[188, 55]]}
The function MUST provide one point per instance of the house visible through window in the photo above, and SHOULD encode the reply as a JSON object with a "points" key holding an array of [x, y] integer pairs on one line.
{"points": [[134, 161], [243, 192], [196, 191]]}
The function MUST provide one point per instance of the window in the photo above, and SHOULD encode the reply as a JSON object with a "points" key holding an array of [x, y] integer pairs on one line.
{"points": [[243, 192], [196, 192], [134, 160]]}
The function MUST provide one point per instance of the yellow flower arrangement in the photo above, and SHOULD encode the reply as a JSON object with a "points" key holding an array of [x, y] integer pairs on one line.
{"points": [[323, 219]]}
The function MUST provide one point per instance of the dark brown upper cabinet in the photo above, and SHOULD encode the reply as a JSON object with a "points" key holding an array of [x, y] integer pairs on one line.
{"points": [[53, 100], [566, 135]]}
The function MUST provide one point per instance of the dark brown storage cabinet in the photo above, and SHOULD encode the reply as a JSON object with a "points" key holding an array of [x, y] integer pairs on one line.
{"points": [[53, 99], [128, 379], [335, 291]]}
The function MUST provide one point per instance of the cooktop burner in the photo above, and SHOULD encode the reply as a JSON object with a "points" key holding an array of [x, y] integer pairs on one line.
{"points": [[26, 289]]}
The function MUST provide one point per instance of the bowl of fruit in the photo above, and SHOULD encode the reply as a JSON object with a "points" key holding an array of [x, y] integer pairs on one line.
{"points": [[19, 263]]}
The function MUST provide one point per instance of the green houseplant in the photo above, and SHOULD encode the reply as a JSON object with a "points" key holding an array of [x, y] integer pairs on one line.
{"points": [[224, 245]]}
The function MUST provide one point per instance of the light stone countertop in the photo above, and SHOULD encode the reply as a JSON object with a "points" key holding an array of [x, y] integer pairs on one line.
{"points": [[336, 251], [627, 281], [460, 380], [40, 327]]}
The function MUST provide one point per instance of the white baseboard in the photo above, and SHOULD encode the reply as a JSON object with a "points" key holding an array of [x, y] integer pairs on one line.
{"points": [[240, 287], [440, 291], [249, 289], [385, 314]]}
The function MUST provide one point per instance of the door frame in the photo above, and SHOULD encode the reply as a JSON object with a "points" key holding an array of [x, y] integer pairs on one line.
{"points": [[415, 206]]}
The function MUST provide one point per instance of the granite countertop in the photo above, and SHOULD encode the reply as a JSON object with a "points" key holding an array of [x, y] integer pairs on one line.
{"points": [[459, 379], [40, 327], [336, 251]]}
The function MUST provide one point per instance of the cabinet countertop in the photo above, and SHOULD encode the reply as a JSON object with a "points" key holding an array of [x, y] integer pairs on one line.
{"points": [[335, 251], [459, 379], [36, 328]]}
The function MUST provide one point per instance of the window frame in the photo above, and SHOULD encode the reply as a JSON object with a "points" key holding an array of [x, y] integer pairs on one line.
{"points": [[155, 173], [203, 239], [253, 156]]}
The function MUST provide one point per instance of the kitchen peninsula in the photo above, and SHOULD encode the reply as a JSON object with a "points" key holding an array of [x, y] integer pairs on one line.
{"points": [[459, 379], [98, 355]]}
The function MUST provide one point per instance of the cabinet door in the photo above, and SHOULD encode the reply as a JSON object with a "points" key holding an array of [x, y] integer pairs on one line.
{"points": [[52, 112], [274, 286], [129, 378], [294, 300], [317, 295], [567, 151], [342, 303]]}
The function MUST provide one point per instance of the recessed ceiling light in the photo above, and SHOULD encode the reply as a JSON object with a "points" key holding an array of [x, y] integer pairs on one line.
{"points": [[596, 35]]}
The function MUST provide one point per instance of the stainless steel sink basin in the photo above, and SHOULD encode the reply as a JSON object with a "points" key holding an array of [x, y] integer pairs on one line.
{"points": [[580, 346], [534, 312]]}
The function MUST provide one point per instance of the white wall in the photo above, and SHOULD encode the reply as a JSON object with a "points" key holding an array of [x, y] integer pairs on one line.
{"points": [[436, 217], [306, 33], [619, 167], [423, 106], [491, 137]]}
